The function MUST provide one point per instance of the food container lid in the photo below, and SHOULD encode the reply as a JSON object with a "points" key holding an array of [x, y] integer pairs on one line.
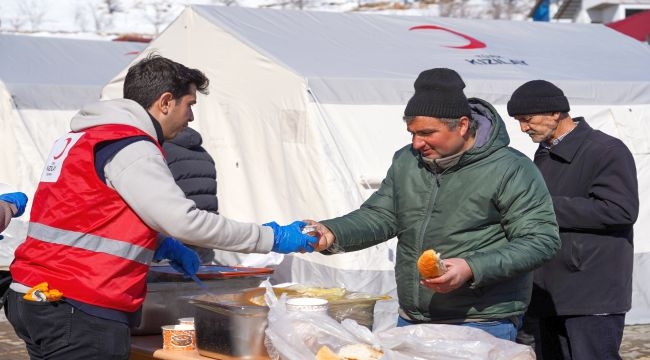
{"points": [[307, 304], [178, 327]]}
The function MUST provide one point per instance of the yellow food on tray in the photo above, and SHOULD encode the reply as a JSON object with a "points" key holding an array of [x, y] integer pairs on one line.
{"points": [[258, 300], [342, 304], [334, 295], [323, 293], [303, 291]]}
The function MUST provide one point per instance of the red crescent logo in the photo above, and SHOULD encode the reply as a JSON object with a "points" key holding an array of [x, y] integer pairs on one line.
{"points": [[67, 142], [473, 43]]}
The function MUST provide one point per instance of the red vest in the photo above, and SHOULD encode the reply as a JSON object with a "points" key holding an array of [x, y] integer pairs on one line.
{"points": [[83, 239]]}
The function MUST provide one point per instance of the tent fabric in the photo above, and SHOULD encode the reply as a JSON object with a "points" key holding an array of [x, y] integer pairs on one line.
{"points": [[305, 111], [57, 73], [361, 58], [636, 26], [43, 83], [305, 107]]}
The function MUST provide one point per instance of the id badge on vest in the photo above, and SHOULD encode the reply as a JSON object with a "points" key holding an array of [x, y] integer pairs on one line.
{"points": [[58, 155]]}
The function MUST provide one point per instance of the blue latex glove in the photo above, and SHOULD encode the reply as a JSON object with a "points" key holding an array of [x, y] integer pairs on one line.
{"points": [[17, 198], [181, 258], [289, 238]]}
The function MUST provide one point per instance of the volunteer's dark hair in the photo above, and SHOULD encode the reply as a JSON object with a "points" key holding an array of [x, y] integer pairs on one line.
{"points": [[155, 75]]}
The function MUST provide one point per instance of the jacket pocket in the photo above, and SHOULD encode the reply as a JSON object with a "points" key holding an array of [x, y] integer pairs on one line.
{"points": [[48, 324], [575, 252]]}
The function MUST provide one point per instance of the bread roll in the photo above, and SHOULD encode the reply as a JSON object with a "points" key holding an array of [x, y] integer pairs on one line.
{"points": [[430, 264], [359, 352], [325, 353]]}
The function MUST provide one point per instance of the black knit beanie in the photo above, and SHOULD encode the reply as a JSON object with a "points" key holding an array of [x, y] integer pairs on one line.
{"points": [[537, 97], [439, 94]]}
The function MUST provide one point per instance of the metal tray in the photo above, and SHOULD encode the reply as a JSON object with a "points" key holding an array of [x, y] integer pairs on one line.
{"points": [[168, 293], [229, 326]]}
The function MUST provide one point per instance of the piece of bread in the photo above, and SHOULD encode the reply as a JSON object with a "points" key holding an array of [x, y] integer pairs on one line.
{"points": [[430, 264], [325, 353], [359, 352]]}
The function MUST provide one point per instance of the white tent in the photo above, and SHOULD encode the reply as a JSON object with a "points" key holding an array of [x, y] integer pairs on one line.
{"points": [[305, 108], [43, 83]]}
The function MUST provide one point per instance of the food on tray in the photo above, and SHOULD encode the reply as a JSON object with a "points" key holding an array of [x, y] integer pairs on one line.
{"points": [[304, 291], [430, 264], [320, 292], [258, 300]]}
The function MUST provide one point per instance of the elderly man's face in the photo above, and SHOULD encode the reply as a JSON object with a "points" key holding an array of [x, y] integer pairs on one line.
{"points": [[433, 139], [540, 127]]}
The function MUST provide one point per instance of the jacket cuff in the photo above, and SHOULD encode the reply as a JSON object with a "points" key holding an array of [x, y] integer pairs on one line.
{"points": [[265, 242]]}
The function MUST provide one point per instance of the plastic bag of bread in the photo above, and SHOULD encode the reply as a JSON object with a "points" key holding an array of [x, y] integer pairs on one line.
{"points": [[314, 335], [299, 335]]}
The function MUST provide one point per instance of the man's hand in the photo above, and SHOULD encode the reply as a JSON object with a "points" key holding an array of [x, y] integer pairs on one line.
{"points": [[289, 238], [11, 205], [181, 258], [18, 199], [325, 237], [458, 274]]}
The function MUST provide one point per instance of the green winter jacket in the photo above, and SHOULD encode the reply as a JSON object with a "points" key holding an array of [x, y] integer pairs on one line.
{"points": [[492, 209]]}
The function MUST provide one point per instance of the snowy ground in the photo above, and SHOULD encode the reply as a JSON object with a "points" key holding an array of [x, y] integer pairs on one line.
{"points": [[88, 19], [91, 19]]}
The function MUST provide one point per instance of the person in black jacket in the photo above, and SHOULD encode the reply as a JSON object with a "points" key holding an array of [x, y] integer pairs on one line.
{"points": [[581, 296], [194, 171]]}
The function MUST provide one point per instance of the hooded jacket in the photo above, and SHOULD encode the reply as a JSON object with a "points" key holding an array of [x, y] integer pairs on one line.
{"points": [[139, 175], [492, 209]]}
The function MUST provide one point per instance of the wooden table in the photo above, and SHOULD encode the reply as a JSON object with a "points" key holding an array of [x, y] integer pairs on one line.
{"points": [[150, 347]]}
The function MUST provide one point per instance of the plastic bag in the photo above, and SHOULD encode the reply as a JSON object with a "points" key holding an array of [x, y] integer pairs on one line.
{"points": [[299, 336], [437, 341]]}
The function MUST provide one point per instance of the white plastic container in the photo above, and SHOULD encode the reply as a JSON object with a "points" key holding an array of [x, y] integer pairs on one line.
{"points": [[307, 304], [186, 321]]}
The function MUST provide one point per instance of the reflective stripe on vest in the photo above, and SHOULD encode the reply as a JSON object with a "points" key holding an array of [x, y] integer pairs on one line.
{"points": [[92, 246], [90, 242]]}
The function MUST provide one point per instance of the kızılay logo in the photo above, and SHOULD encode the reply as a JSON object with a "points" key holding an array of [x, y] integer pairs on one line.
{"points": [[473, 43]]}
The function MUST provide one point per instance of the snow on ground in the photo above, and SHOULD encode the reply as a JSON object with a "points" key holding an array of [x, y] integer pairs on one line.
{"points": [[89, 19]]}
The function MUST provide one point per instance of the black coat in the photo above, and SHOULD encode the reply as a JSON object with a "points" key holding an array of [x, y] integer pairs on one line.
{"points": [[592, 179], [193, 168]]}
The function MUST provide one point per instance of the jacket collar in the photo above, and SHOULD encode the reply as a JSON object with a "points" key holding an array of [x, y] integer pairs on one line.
{"points": [[568, 147], [156, 125]]}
